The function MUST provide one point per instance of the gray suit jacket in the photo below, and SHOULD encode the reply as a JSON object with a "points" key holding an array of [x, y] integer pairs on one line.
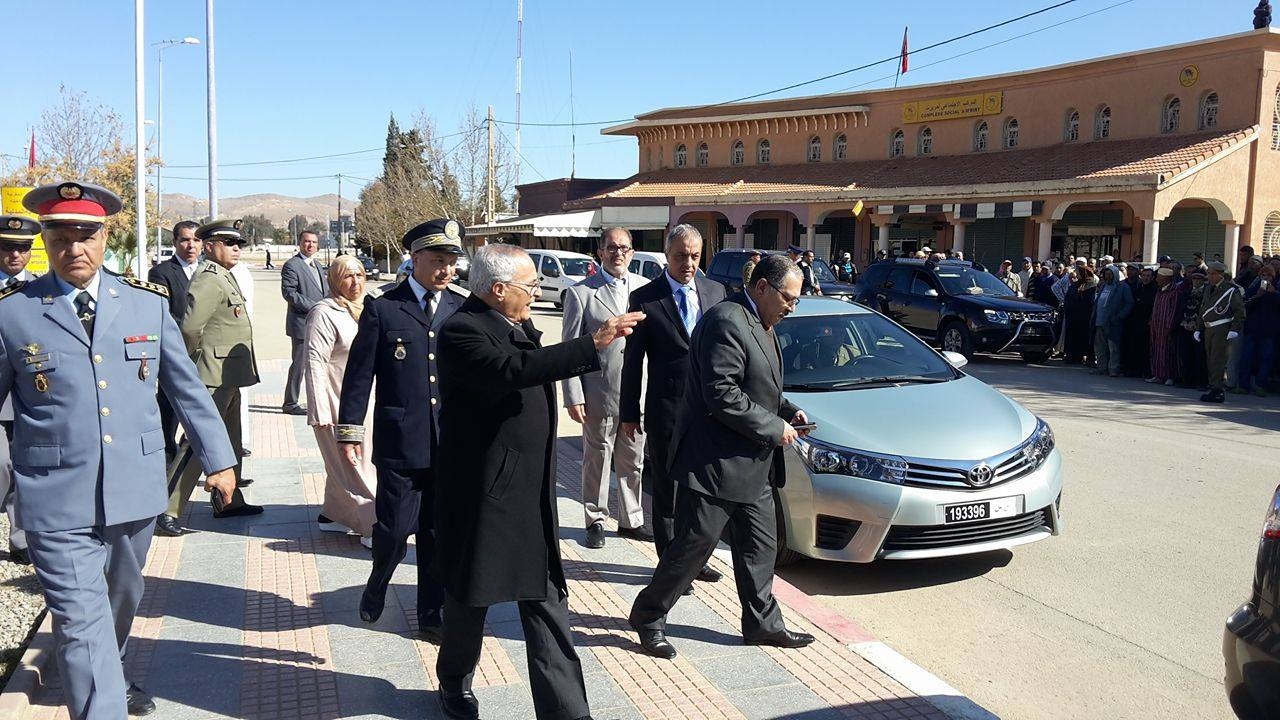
{"points": [[88, 446], [302, 287], [587, 306], [727, 434]]}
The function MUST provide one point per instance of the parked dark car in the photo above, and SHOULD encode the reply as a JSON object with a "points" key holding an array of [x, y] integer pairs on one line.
{"points": [[370, 265], [726, 269], [959, 307], [1251, 641]]}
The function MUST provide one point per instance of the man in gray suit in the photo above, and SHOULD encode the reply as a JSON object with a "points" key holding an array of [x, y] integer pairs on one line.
{"points": [[729, 440], [17, 233], [303, 284], [592, 399], [81, 353]]}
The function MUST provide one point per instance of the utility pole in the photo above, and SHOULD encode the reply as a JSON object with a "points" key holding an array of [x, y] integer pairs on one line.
{"points": [[489, 180], [341, 228], [213, 112], [519, 72], [140, 139], [573, 126]]}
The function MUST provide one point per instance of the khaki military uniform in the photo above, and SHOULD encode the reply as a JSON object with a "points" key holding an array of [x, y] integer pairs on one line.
{"points": [[1221, 312], [219, 338]]}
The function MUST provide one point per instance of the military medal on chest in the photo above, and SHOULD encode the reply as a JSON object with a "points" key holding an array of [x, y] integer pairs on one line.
{"points": [[238, 310], [400, 352], [144, 369], [36, 358]]}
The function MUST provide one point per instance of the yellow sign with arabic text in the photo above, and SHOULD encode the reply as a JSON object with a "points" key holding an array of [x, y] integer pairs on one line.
{"points": [[11, 204], [952, 108]]}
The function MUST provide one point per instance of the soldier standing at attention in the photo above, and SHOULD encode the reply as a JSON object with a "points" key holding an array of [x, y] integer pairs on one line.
{"points": [[1221, 318], [17, 233], [219, 338], [81, 354]]}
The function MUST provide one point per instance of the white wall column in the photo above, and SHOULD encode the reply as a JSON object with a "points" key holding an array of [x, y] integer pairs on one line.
{"points": [[809, 231], [1231, 246], [740, 234], [1150, 241], [957, 239], [882, 239], [1045, 240]]}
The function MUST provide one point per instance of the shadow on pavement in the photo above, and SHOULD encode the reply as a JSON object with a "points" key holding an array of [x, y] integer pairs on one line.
{"points": [[820, 577], [916, 707]]}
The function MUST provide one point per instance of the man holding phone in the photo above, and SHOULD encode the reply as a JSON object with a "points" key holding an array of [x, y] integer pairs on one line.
{"points": [[731, 432]]}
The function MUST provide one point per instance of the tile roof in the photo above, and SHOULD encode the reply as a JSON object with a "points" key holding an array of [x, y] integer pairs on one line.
{"points": [[1140, 159]]}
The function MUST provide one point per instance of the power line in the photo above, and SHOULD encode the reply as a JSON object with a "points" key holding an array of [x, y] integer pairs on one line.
{"points": [[996, 44], [523, 159], [313, 157], [894, 58]]}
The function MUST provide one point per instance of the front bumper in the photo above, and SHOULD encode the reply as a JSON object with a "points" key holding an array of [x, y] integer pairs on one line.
{"points": [[850, 519], [1252, 679], [1018, 336]]}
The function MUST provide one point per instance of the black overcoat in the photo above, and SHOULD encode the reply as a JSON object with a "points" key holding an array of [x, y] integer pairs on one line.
{"points": [[497, 530]]}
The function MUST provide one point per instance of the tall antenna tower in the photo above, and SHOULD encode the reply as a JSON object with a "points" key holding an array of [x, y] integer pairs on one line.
{"points": [[573, 125], [519, 71]]}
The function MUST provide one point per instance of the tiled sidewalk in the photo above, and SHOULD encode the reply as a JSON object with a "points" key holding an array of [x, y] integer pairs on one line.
{"points": [[257, 618]]}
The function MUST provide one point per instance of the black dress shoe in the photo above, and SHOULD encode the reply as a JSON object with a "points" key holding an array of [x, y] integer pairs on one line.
{"points": [[433, 634], [709, 574], [246, 452], [655, 643], [167, 526], [640, 532], [138, 702], [294, 410], [370, 608], [595, 535], [460, 705], [19, 556], [688, 591], [1213, 396], [782, 639], [241, 510]]}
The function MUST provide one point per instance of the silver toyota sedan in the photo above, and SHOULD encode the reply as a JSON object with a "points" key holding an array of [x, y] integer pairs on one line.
{"points": [[911, 457]]}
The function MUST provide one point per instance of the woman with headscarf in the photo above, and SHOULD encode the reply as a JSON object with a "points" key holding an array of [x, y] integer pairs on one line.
{"points": [[1077, 306], [331, 326], [1166, 312]]}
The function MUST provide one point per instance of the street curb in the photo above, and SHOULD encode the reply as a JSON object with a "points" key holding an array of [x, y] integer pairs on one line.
{"points": [[29, 677], [858, 639]]}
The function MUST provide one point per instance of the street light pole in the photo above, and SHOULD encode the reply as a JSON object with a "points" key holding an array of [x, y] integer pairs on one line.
{"points": [[162, 45], [140, 139], [213, 112]]}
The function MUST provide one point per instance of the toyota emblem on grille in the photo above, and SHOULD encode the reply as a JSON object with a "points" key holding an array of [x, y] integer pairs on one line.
{"points": [[980, 475]]}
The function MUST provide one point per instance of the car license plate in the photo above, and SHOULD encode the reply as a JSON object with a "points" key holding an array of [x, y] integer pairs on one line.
{"points": [[988, 510]]}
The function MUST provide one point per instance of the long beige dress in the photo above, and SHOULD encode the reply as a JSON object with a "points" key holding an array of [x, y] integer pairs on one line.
{"points": [[348, 490]]}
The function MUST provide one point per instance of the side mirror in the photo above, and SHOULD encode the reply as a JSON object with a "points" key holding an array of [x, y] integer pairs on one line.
{"points": [[931, 293], [956, 359]]}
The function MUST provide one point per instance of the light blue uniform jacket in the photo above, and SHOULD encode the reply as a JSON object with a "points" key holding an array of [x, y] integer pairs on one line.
{"points": [[87, 446]]}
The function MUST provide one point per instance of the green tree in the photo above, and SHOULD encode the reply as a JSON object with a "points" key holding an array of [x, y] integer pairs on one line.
{"points": [[256, 228]]}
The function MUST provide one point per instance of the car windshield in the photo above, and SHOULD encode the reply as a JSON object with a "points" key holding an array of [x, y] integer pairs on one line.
{"points": [[960, 280], [823, 271], [576, 266], [836, 352]]}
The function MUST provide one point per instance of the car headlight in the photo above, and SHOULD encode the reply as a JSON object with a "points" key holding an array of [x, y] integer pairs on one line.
{"points": [[997, 317], [831, 460], [1036, 449]]}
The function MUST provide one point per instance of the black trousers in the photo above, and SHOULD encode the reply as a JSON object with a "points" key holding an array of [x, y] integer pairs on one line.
{"points": [[169, 424], [753, 541], [662, 487], [403, 505], [555, 674]]}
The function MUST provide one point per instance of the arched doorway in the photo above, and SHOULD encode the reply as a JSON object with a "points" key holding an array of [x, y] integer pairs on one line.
{"points": [[1091, 230], [1192, 226], [772, 230]]}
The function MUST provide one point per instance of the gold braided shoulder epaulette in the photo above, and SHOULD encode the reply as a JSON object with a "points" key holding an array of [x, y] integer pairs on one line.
{"points": [[146, 285], [12, 289]]}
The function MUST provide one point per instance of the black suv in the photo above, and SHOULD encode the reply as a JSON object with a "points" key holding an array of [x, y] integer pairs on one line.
{"points": [[959, 307], [726, 269], [1250, 643]]}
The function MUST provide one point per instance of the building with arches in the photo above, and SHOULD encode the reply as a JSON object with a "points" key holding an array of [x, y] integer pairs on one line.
{"points": [[1170, 150]]}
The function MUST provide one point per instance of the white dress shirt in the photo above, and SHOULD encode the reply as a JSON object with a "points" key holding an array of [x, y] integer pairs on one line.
{"points": [[420, 292], [695, 307]]}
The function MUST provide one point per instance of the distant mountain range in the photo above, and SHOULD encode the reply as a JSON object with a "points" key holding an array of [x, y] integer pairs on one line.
{"points": [[277, 208]]}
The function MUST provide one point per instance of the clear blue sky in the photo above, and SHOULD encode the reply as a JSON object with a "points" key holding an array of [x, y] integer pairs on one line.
{"points": [[309, 78]]}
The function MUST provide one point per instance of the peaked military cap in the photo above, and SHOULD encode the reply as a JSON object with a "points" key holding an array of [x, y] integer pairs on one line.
{"points": [[441, 234], [18, 229], [227, 231], [795, 250], [73, 203]]}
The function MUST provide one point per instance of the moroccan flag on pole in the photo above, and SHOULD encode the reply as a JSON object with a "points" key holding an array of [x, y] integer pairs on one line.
{"points": [[31, 153], [904, 50]]}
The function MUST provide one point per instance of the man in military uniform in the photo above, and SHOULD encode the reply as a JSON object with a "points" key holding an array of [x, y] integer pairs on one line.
{"points": [[17, 233], [219, 339], [396, 345], [81, 354], [1220, 320]]}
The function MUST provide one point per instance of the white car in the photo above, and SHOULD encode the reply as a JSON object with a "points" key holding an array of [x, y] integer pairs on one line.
{"points": [[559, 270], [911, 458], [649, 264]]}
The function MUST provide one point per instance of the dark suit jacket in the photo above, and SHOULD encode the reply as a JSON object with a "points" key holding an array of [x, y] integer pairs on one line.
{"points": [[404, 416], [169, 274], [302, 288], [734, 413], [497, 530], [661, 339]]}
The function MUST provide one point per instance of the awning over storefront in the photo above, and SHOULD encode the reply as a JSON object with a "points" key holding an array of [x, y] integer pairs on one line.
{"points": [[636, 217], [579, 224]]}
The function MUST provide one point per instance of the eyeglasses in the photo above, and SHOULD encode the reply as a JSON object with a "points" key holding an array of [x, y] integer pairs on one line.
{"points": [[533, 288], [787, 300], [618, 250]]}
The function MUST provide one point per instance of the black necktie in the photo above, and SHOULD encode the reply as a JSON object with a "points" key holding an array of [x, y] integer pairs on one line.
{"points": [[84, 308], [426, 305]]}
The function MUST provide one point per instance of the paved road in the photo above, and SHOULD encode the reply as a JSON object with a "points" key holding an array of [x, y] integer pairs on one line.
{"points": [[1121, 617]]}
